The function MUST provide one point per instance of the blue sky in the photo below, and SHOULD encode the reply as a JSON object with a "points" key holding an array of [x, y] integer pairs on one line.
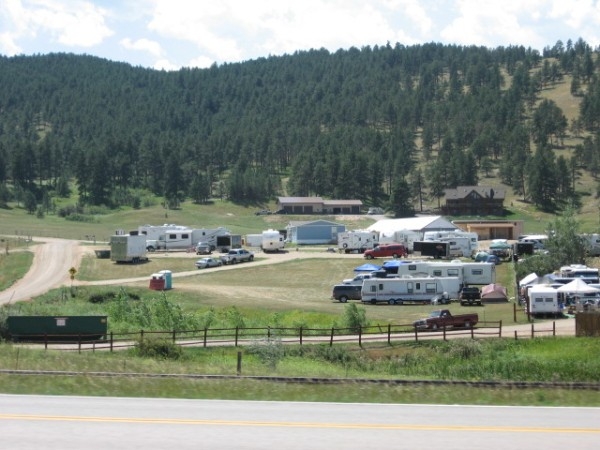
{"points": [[170, 34]]}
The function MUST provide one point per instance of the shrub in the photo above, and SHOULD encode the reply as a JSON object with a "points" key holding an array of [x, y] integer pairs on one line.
{"points": [[269, 351], [158, 348], [354, 317]]}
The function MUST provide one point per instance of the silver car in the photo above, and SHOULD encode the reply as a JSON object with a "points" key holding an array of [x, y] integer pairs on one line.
{"points": [[204, 263]]}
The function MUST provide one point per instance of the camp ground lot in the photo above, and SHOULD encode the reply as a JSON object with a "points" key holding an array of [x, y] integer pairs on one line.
{"points": [[299, 280]]}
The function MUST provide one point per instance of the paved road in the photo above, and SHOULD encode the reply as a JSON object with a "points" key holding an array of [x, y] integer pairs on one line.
{"points": [[98, 423]]}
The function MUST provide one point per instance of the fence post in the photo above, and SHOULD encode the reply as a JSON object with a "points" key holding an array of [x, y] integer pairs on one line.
{"points": [[389, 334], [45, 341], [239, 363], [111, 341], [360, 336], [174, 338], [444, 331], [205, 334], [141, 335], [331, 338], [516, 335], [237, 330], [269, 332], [301, 335], [79, 343], [416, 334], [472, 331], [554, 328], [500, 329], [532, 331]]}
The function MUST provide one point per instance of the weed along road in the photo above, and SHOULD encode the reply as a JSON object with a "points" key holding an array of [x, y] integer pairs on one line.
{"points": [[98, 423]]}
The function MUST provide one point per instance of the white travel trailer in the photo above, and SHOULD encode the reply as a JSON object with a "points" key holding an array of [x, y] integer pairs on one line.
{"points": [[470, 273], [128, 248], [404, 237], [443, 236], [397, 291], [357, 241], [538, 240], [253, 240], [178, 237], [544, 300], [272, 241]]}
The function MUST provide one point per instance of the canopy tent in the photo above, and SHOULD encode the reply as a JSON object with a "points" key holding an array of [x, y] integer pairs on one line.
{"points": [[577, 286], [494, 293], [529, 279], [367, 268]]}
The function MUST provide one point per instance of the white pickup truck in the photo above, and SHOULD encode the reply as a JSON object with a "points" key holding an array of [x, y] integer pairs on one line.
{"points": [[236, 256]]}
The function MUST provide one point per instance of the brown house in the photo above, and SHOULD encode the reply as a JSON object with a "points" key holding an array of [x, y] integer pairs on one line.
{"points": [[317, 205], [474, 201]]}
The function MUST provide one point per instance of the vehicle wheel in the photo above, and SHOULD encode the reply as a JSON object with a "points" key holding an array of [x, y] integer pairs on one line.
{"points": [[343, 299], [467, 324], [150, 248], [233, 261], [434, 326], [395, 255], [391, 301], [399, 302], [369, 256], [373, 301], [251, 258]]}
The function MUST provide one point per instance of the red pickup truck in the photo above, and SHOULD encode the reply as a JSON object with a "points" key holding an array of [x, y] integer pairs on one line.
{"points": [[443, 318]]}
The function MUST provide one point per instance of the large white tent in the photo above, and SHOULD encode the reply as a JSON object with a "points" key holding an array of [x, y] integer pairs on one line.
{"points": [[387, 227], [577, 286]]}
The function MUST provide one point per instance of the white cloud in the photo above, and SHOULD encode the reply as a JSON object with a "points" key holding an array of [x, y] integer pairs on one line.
{"points": [[143, 44]]}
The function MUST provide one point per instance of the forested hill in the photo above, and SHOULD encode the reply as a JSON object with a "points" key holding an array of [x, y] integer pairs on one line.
{"points": [[382, 124]]}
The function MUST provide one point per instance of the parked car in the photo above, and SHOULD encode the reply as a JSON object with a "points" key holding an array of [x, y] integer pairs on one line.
{"points": [[237, 255], [386, 250], [204, 263], [345, 292], [263, 212], [203, 248]]}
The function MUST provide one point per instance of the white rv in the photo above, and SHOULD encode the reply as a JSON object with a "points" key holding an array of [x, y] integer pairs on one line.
{"points": [[397, 291], [357, 241], [544, 300], [272, 241], [470, 273], [471, 237], [178, 237]]}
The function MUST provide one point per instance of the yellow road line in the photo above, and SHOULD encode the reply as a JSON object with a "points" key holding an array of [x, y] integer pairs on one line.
{"points": [[251, 423]]}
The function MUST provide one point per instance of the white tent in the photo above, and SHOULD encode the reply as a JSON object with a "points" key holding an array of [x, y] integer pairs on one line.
{"points": [[577, 286]]}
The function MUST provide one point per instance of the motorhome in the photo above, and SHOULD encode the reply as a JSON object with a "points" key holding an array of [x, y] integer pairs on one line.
{"points": [[357, 241], [401, 290], [544, 300], [470, 273]]}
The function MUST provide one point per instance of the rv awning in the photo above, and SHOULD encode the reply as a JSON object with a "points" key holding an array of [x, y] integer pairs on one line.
{"points": [[367, 268], [528, 279]]}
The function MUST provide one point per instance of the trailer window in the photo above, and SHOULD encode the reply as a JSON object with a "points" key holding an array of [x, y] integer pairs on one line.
{"points": [[185, 236], [172, 236], [437, 273], [430, 288], [452, 272], [477, 271], [549, 300], [373, 288], [412, 267]]}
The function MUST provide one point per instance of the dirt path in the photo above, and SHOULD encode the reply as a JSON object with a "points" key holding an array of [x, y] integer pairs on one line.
{"points": [[52, 259]]}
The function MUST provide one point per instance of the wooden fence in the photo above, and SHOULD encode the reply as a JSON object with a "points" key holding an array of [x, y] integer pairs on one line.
{"points": [[210, 337]]}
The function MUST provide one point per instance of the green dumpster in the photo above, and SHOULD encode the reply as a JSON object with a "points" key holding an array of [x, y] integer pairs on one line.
{"points": [[56, 328]]}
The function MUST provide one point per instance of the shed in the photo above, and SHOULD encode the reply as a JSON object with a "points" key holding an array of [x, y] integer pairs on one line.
{"points": [[314, 232]]}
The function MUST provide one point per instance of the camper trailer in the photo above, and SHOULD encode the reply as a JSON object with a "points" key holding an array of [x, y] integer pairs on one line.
{"points": [[398, 291], [544, 300], [177, 237], [471, 237], [357, 241], [272, 241], [128, 248], [470, 273]]}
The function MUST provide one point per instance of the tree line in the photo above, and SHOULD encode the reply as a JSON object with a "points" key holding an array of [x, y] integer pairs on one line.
{"points": [[390, 125]]}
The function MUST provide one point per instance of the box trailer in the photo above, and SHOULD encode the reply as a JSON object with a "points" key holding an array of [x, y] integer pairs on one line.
{"points": [[401, 290], [272, 241], [128, 248], [436, 249], [544, 300], [228, 242]]}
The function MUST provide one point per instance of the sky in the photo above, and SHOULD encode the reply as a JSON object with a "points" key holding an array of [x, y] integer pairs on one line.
{"points": [[171, 34]]}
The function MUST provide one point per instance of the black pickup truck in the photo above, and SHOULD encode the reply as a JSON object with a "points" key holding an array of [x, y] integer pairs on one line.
{"points": [[470, 295]]}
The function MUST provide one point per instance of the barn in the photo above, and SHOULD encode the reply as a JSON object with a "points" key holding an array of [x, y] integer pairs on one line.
{"points": [[314, 232]]}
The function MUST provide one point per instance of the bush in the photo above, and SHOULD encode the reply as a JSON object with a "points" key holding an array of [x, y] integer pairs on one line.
{"points": [[354, 317], [270, 351], [158, 348]]}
